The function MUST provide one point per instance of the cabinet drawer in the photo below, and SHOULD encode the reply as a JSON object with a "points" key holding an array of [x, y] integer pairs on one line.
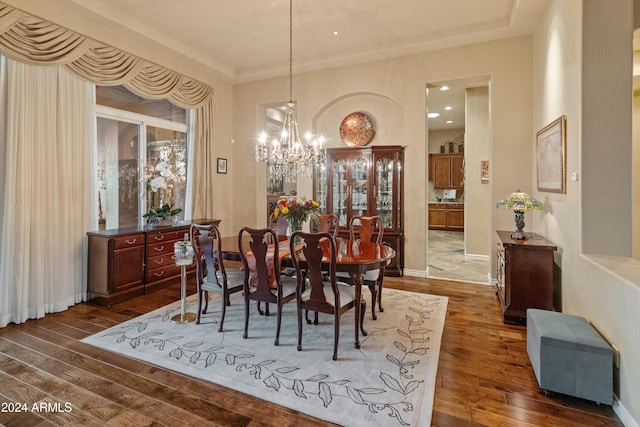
{"points": [[166, 236], [160, 261], [160, 248], [128, 241], [171, 270], [162, 273]]}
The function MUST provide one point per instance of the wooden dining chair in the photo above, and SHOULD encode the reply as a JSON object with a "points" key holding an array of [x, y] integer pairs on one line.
{"points": [[264, 283], [313, 293], [370, 229], [211, 274], [327, 223]]}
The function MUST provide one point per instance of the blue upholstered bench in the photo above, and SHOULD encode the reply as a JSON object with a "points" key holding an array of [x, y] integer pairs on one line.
{"points": [[569, 356]]}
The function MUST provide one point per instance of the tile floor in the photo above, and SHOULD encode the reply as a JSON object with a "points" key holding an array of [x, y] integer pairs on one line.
{"points": [[446, 259]]}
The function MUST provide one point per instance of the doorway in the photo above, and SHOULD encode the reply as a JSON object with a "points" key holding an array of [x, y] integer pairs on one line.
{"points": [[459, 214]]}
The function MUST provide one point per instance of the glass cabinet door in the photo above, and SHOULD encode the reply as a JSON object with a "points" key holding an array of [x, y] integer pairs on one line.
{"points": [[339, 190], [359, 186], [384, 187]]}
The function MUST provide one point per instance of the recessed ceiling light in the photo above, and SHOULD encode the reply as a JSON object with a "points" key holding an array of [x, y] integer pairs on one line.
{"points": [[335, 33], [448, 107], [433, 115], [444, 87], [449, 122]]}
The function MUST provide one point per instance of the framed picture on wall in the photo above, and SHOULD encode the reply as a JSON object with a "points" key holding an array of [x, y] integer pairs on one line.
{"points": [[222, 165], [484, 170], [551, 147]]}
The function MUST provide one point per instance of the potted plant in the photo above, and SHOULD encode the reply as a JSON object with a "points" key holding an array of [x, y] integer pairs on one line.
{"points": [[159, 216], [161, 181]]}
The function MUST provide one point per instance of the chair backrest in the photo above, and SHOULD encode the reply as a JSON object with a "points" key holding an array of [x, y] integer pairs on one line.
{"points": [[260, 240], [327, 223], [279, 225], [207, 248], [367, 228], [308, 264]]}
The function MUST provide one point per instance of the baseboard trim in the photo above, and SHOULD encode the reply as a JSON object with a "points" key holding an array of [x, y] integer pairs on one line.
{"points": [[623, 414], [416, 273], [476, 257]]}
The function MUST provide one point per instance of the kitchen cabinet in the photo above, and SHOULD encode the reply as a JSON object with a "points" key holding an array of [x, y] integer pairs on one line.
{"points": [[127, 262], [524, 275], [447, 170], [365, 181], [446, 216]]}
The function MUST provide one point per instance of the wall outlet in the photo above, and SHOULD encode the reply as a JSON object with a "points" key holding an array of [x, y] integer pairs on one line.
{"points": [[575, 176]]}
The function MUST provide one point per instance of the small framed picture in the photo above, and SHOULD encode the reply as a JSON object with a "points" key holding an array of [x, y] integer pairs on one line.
{"points": [[222, 165], [484, 170]]}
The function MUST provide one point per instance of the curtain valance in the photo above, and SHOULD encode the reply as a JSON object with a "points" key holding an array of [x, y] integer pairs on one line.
{"points": [[30, 39]]}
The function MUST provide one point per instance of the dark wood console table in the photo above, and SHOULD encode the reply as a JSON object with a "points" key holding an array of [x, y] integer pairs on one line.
{"points": [[126, 262], [524, 275]]}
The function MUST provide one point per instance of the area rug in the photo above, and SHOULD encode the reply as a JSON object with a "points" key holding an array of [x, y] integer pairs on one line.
{"points": [[389, 381]]}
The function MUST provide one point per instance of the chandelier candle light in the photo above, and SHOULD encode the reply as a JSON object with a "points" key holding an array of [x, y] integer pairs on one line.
{"points": [[519, 202], [289, 156]]}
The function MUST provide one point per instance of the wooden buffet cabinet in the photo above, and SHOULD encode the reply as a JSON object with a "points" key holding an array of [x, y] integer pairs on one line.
{"points": [[126, 262], [524, 275], [365, 181]]}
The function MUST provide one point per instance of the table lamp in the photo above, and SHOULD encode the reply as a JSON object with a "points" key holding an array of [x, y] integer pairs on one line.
{"points": [[519, 202]]}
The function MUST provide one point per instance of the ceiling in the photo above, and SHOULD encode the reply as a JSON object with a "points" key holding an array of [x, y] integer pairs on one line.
{"points": [[249, 39]]}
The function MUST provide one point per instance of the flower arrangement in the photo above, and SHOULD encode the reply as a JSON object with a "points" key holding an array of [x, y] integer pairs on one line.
{"points": [[162, 176], [296, 211], [161, 180]]}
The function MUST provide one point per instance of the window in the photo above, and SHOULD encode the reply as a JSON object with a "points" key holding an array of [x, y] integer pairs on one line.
{"points": [[133, 177]]}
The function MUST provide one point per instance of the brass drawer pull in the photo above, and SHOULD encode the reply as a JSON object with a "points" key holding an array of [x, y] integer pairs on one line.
{"points": [[159, 274], [159, 249], [159, 237], [159, 261], [131, 242]]}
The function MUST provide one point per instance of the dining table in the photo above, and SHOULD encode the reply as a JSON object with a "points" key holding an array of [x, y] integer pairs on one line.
{"points": [[354, 257]]}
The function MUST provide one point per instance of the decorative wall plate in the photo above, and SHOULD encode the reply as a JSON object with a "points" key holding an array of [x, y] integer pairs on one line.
{"points": [[356, 129]]}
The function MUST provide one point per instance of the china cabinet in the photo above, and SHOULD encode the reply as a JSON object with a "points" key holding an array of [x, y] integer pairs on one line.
{"points": [[131, 261], [365, 181]]}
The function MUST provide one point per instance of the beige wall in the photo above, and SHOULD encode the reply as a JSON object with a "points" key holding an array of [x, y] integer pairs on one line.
{"points": [[602, 289], [439, 137], [478, 208], [393, 93]]}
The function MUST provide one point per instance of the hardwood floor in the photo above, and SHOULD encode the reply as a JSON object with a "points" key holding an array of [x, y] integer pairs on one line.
{"points": [[484, 375]]}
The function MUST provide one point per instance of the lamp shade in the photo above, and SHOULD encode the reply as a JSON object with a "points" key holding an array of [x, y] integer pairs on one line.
{"points": [[519, 201]]}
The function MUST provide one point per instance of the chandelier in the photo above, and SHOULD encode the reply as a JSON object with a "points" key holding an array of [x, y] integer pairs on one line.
{"points": [[288, 155]]}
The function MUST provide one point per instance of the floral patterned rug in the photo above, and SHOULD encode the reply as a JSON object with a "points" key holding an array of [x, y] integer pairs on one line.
{"points": [[389, 381]]}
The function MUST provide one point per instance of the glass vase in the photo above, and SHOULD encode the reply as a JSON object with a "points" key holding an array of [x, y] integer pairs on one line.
{"points": [[295, 224]]}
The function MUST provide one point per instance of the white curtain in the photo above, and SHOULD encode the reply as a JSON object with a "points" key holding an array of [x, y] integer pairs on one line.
{"points": [[46, 209]]}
